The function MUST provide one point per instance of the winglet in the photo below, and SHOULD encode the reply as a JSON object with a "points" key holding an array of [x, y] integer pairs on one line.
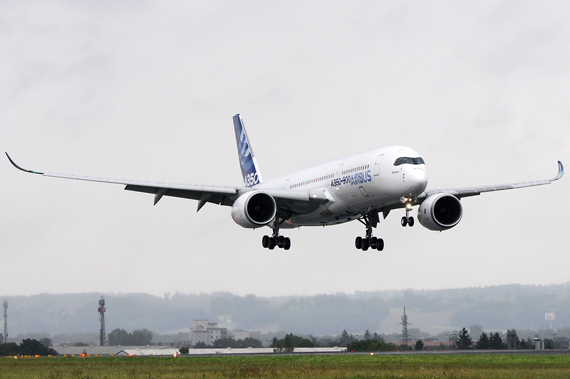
{"points": [[560, 171], [20, 168], [247, 162]]}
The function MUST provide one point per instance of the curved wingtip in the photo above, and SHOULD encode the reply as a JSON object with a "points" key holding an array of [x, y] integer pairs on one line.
{"points": [[560, 171], [20, 168]]}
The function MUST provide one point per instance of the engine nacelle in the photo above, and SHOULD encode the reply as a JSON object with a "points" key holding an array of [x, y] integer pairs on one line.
{"points": [[254, 209], [440, 212]]}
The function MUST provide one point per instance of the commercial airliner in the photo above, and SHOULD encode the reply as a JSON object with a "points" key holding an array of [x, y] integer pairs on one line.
{"points": [[359, 187]]}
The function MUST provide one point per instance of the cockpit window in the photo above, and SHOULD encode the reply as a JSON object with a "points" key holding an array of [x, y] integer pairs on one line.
{"points": [[407, 160]]}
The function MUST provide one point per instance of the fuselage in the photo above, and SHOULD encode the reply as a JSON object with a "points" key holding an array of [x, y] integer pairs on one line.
{"points": [[355, 184]]}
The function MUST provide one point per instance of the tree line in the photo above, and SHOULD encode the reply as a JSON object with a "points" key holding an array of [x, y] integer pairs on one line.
{"points": [[223, 343], [494, 341], [26, 347], [138, 337]]}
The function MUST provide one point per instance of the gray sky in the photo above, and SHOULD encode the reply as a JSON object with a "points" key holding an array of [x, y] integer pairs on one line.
{"points": [[147, 89]]}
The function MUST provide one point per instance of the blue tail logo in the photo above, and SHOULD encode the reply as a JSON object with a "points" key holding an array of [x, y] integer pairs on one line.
{"points": [[251, 175]]}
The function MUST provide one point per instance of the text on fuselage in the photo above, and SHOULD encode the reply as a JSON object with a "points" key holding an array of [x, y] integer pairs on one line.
{"points": [[353, 180]]}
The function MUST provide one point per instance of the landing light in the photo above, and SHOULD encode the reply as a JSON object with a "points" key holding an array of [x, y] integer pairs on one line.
{"points": [[408, 206]]}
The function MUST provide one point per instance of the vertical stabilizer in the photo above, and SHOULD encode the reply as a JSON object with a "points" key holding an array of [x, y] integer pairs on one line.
{"points": [[248, 165]]}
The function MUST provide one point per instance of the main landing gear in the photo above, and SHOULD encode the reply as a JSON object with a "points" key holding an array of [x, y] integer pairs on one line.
{"points": [[370, 221], [276, 240]]}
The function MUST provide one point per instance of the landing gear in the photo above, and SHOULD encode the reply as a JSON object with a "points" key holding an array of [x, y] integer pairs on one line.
{"points": [[363, 243], [407, 219], [276, 240]]}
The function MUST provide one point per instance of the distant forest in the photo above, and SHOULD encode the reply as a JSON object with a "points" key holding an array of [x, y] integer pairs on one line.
{"points": [[494, 308]]}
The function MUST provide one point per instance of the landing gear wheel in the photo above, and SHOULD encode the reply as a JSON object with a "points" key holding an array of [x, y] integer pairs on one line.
{"points": [[404, 221], [265, 241], [373, 243], [365, 245], [358, 242], [410, 221], [380, 244], [287, 243], [271, 245]]}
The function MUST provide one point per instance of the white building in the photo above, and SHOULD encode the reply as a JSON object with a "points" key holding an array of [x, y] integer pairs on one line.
{"points": [[206, 332]]}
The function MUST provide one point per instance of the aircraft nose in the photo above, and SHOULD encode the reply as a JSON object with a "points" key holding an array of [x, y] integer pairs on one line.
{"points": [[418, 179]]}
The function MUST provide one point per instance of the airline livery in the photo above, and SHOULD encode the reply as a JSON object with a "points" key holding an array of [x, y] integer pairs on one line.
{"points": [[359, 187]]}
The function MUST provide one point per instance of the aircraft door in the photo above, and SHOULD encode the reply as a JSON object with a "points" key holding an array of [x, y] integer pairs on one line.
{"points": [[377, 164], [339, 170]]}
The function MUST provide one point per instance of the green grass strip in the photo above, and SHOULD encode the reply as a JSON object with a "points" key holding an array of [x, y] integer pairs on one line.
{"points": [[292, 366]]}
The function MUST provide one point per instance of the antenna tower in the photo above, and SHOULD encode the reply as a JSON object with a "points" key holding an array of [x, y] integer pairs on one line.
{"points": [[102, 334], [405, 324], [5, 321]]}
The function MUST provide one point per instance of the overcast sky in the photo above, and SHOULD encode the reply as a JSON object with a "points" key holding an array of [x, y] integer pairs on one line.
{"points": [[147, 90]]}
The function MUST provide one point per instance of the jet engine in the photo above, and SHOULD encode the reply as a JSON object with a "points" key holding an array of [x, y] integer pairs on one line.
{"points": [[254, 209], [440, 212]]}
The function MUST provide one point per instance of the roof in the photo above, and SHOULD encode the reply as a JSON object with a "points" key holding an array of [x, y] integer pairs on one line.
{"points": [[168, 350], [113, 350]]}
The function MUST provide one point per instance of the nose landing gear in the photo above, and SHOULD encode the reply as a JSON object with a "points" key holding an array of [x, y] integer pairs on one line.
{"points": [[407, 219], [363, 243], [276, 240]]}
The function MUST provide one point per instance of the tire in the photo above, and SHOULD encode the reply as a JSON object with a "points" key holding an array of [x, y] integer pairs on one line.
{"points": [[271, 245], [404, 221], [374, 242], [287, 243], [365, 244], [358, 242], [410, 221], [380, 245], [265, 241]]}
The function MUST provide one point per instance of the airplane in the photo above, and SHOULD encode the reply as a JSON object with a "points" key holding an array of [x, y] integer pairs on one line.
{"points": [[355, 188]]}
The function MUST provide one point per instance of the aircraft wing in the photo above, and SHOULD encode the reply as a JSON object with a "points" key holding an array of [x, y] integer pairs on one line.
{"points": [[286, 199], [202, 193], [474, 191]]}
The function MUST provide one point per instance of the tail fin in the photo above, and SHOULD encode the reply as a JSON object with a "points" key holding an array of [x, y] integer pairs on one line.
{"points": [[251, 175]]}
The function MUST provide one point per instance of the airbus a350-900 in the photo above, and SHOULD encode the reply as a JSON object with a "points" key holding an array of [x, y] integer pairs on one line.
{"points": [[357, 188]]}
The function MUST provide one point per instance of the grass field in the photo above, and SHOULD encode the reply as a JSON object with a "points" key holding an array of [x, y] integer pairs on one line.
{"points": [[293, 366]]}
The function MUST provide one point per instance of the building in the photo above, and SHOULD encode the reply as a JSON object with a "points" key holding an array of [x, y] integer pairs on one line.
{"points": [[241, 334], [206, 332], [209, 332]]}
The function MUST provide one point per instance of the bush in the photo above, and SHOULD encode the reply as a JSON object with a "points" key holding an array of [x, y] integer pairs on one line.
{"points": [[419, 345]]}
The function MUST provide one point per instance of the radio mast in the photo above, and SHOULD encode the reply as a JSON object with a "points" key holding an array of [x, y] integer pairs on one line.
{"points": [[5, 321], [102, 334], [405, 324]]}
